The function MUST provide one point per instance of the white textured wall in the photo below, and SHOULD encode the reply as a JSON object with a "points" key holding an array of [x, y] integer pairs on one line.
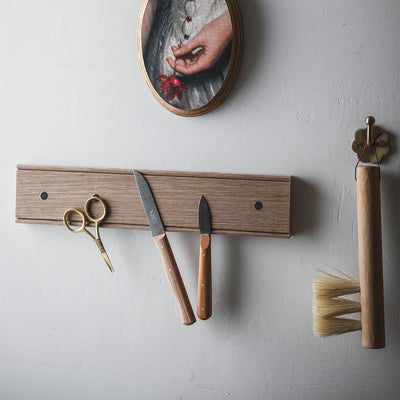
{"points": [[71, 93]]}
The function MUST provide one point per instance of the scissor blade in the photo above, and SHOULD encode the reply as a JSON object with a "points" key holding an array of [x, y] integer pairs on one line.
{"points": [[149, 205], [104, 254], [107, 260]]}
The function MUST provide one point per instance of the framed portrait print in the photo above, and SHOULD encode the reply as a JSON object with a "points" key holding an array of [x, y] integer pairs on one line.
{"points": [[190, 52]]}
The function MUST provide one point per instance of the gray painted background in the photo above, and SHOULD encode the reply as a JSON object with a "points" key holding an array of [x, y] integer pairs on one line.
{"points": [[71, 93]]}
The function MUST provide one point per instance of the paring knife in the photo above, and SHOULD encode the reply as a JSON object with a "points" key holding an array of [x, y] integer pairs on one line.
{"points": [[204, 288], [161, 240]]}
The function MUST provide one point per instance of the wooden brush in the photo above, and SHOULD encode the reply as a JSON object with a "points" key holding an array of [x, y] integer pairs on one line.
{"points": [[328, 303]]}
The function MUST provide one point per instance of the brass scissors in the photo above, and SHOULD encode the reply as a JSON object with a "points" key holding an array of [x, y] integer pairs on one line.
{"points": [[96, 221]]}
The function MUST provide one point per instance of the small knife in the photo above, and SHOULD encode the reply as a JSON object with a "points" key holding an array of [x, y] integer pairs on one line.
{"points": [[161, 240], [204, 289]]}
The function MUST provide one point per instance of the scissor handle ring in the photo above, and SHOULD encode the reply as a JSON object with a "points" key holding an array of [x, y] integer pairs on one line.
{"points": [[66, 223], [96, 198]]}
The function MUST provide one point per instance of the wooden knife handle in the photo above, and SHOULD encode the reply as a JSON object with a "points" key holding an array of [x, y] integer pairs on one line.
{"points": [[175, 279], [370, 257], [204, 288]]}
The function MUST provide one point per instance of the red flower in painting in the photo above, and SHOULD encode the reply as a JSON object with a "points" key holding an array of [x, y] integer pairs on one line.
{"points": [[171, 86]]}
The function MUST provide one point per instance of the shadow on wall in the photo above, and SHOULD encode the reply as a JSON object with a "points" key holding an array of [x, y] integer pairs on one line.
{"points": [[256, 34], [390, 197], [227, 292], [230, 290], [392, 143], [305, 201]]}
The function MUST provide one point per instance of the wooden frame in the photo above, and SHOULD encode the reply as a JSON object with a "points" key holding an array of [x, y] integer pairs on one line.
{"points": [[232, 198], [231, 74]]}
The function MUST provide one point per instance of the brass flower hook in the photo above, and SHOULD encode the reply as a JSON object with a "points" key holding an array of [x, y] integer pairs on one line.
{"points": [[371, 144]]}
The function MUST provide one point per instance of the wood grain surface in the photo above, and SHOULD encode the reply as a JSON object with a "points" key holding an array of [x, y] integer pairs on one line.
{"points": [[204, 286], [175, 279], [231, 198], [370, 257]]}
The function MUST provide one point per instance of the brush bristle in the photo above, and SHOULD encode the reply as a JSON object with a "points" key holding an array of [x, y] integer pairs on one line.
{"points": [[327, 305], [328, 285], [328, 326], [332, 307]]}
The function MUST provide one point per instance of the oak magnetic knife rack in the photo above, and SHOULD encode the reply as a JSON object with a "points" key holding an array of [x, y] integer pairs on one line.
{"points": [[247, 205]]}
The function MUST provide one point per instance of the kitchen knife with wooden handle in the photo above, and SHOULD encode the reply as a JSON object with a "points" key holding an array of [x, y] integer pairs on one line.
{"points": [[162, 243], [204, 289]]}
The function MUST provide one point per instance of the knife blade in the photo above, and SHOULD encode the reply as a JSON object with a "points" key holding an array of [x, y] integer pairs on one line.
{"points": [[162, 243], [204, 287]]}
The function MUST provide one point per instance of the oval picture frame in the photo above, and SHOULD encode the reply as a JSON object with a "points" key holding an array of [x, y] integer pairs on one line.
{"points": [[190, 83]]}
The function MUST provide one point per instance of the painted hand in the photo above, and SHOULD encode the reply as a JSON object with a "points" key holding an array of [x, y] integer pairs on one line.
{"points": [[203, 51]]}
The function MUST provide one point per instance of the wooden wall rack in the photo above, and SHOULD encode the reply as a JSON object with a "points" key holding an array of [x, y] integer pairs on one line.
{"points": [[234, 200]]}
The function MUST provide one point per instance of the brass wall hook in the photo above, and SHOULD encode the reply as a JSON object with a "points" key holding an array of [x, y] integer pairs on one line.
{"points": [[372, 143], [370, 121]]}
